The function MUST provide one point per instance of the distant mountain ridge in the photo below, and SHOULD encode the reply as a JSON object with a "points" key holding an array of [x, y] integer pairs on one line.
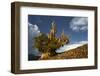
{"points": [[71, 46]]}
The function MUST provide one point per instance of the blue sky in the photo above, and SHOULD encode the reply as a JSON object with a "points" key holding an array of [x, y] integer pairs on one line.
{"points": [[74, 27]]}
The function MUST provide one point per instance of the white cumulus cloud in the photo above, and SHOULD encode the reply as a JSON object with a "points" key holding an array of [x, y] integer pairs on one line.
{"points": [[33, 28], [33, 31], [79, 24]]}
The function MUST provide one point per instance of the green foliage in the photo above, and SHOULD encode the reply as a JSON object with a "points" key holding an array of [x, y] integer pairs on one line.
{"points": [[44, 44], [41, 42]]}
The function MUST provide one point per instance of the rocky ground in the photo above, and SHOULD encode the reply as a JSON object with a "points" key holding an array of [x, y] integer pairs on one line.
{"points": [[79, 52]]}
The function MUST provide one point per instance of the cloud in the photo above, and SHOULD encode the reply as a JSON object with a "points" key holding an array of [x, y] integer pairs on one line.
{"points": [[71, 46], [33, 31], [79, 24]]}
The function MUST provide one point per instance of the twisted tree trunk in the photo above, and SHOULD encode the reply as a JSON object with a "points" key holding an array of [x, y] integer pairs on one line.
{"points": [[47, 55]]}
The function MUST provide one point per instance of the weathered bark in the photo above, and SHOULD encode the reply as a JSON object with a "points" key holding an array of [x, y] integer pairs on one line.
{"points": [[44, 56], [47, 55]]}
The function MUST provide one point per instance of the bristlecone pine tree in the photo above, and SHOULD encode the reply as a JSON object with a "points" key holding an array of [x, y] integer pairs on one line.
{"points": [[47, 44]]}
